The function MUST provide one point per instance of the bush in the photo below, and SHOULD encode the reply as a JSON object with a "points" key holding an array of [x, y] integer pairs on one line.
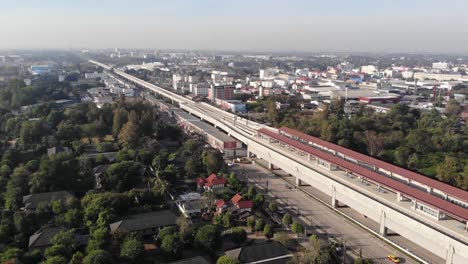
{"points": [[208, 238], [238, 235], [227, 260], [98, 257], [297, 228], [131, 248]]}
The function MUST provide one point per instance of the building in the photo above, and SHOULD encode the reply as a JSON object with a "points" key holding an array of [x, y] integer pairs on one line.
{"points": [[212, 183], [42, 239], [270, 252], [369, 69], [191, 204], [201, 89], [237, 205], [145, 223], [235, 106], [437, 76], [380, 99], [440, 66], [57, 150], [32, 201], [95, 75], [281, 106], [40, 69], [223, 92]]}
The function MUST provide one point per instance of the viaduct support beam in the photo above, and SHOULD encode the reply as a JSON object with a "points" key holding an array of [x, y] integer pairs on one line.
{"points": [[399, 197], [298, 181], [382, 229], [334, 202], [450, 251]]}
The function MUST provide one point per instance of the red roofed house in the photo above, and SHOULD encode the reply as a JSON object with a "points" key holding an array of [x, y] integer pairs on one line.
{"points": [[212, 183], [236, 205]]}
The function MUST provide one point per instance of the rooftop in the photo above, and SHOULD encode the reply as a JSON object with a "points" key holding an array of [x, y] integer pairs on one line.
{"points": [[144, 221]]}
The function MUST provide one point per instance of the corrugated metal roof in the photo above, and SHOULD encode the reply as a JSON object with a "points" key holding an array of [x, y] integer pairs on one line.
{"points": [[424, 197], [453, 191]]}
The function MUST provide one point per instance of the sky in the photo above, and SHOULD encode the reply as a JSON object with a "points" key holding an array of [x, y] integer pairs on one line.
{"points": [[243, 25]]}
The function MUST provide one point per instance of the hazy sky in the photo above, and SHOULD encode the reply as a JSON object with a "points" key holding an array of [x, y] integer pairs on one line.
{"points": [[256, 25]]}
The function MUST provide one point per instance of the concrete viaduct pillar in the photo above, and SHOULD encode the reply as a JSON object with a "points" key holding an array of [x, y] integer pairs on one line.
{"points": [[334, 202], [298, 181], [449, 258], [382, 229]]}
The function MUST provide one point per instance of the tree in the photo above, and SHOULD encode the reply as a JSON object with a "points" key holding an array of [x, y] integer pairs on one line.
{"points": [[77, 258], [227, 219], [171, 246], [259, 224], [73, 218], [98, 257], [447, 171], [16, 188], [99, 239], [191, 167], [131, 248], [238, 235], [208, 238], [283, 238], [273, 207], [161, 188], [213, 161], [129, 134], [160, 161], [227, 260], [453, 108], [251, 224], [363, 261], [168, 230], [268, 232], [11, 253], [56, 250], [122, 176], [251, 192], [259, 199], [120, 118], [297, 228], [287, 220], [56, 260]]}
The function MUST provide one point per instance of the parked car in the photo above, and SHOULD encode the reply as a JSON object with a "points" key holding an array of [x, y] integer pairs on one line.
{"points": [[393, 258]]}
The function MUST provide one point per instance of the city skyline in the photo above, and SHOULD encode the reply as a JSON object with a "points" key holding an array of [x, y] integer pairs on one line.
{"points": [[270, 26]]}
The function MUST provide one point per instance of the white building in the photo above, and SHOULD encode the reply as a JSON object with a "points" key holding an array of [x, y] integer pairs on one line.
{"points": [[95, 75], [268, 73], [369, 69], [440, 65]]}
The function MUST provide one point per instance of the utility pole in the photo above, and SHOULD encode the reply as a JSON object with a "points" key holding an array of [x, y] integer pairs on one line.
{"points": [[344, 251]]}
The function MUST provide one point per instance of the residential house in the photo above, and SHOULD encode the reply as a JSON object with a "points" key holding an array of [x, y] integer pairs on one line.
{"points": [[57, 150], [270, 252], [212, 183], [99, 174], [42, 239], [31, 201], [236, 205], [191, 204], [145, 223]]}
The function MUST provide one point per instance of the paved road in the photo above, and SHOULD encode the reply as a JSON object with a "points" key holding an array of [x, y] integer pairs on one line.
{"points": [[320, 216]]}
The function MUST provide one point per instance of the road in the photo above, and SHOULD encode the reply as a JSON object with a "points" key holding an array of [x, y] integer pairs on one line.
{"points": [[320, 216]]}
